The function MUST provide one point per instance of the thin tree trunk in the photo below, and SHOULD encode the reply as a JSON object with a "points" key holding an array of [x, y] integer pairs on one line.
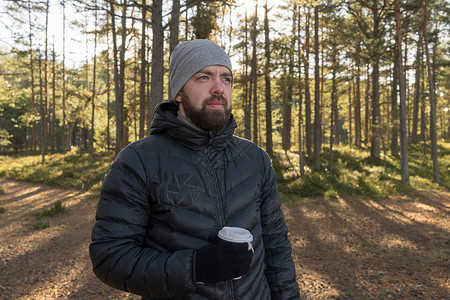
{"points": [[53, 123], [156, 92], [401, 80], [46, 123], [64, 129], [33, 100], [349, 91], [375, 143], [43, 116], [119, 106], [247, 89], [121, 99], [433, 127], [300, 100], [367, 109], [308, 136], [417, 91], [317, 121], [269, 142], [174, 24], [394, 105], [358, 106], [287, 101], [108, 83], [255, 76], [92, 131], [333, 109], [142, 99]]}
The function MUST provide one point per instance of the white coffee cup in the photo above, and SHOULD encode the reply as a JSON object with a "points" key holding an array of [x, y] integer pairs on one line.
{"points": [[236, 235]]}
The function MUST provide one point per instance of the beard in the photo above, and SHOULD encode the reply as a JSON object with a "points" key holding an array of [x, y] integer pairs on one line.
{"points": [[207, 119]]}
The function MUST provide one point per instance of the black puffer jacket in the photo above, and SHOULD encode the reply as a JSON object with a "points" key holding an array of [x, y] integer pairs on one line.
{"points": [[171, 193]]}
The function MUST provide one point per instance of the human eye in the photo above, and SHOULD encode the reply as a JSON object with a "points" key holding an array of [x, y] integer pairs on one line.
{"points": [[202, 77], [227, 79]]}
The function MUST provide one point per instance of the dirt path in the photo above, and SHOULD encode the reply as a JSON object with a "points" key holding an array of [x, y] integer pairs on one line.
{"points": [[349, 248]]}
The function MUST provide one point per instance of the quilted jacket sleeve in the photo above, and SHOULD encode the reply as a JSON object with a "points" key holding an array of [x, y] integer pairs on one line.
{"points": [[117, 249], [280, 269]]}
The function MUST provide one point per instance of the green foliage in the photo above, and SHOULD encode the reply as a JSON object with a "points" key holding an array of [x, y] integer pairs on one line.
{"points": [[2, 209], [355, 173], [69, 171], [41, 225], [57, 208]]}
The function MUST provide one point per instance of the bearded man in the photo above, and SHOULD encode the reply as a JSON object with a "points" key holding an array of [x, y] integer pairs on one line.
{"points": [[168, 195]]}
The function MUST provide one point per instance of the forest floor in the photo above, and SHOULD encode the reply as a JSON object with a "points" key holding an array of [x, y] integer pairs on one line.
{"points": [[346, 248]]}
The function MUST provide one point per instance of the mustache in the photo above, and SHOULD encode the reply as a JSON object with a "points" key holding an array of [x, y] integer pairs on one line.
{"points": [[215, 98]]}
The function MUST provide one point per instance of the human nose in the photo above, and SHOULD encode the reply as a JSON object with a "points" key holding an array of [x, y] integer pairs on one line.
{"points": [[217, 87]]}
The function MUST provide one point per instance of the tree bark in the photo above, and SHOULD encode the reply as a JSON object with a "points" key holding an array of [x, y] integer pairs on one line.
{"points": [[143, 69], [287, 101], [64, 129], [268, 94], [156, 91], [358, 106], [401, 80], [417, 91], [300, 100], [33, 100], [394, 105], [92, 131], [254, 75], [53, 123], [308, 136], [433, 127], [317, 120]]}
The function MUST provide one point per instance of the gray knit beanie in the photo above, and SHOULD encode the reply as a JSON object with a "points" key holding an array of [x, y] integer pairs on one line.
{"points": [[190, 57]]}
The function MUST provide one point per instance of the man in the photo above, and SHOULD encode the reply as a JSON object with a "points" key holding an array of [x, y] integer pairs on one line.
{"points": [[167, 196]]}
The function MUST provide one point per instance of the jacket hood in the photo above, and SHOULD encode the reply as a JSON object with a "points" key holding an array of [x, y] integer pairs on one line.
{"points": [[165, 120]]}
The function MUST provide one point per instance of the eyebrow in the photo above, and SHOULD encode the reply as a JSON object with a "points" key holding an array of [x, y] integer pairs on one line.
{"points": [[207, 72]]}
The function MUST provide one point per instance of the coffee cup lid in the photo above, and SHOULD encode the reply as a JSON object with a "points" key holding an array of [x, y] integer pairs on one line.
{"points": [[235, 234]]}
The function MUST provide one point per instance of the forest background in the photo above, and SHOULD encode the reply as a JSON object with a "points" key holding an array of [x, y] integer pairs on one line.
{"points": [[322, 86], [350, 98]]}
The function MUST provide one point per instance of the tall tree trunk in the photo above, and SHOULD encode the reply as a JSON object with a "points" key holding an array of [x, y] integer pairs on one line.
{"points": [[394, 105], [287, 101], [46, 123], [267, 69], [119, 106], [375, 143], [157, 83], [358, 105], [255, 76], [308, 131], [53, 123], [417, 91], [64, 129], [433, 127], [33, 100], [367, 109], [300, 100], [350, 138], [333, 108], [92, 131], [121, 102], [402, 86], [317, 121], [174, 24], [108, 84], [42, 122], [143, 69], [247, 87]]}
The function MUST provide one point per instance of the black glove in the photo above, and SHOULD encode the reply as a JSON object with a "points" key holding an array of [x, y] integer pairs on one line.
{"points": [[222, 261]]}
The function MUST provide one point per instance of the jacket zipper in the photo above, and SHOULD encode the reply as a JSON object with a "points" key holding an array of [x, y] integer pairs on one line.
{"points": [[221, 214]]}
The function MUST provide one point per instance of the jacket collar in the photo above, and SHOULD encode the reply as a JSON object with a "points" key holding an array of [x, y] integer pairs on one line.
{"points": [[165, 120]]}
